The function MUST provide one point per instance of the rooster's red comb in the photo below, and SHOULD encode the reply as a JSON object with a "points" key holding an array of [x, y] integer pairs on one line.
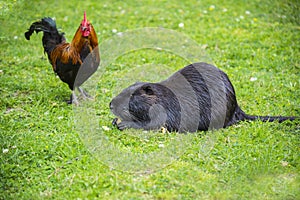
{"points": [[84, 22], [84, 17]]}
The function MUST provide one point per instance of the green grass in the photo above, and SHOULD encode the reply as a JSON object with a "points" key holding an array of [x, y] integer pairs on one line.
{"points": [[43, 156]]}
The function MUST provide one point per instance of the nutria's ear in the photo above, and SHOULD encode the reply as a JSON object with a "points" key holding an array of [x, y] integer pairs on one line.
{"points": [[148, 90]]}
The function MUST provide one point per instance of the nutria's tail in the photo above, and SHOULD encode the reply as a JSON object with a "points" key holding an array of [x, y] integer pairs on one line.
{"points": [[269, 118], [240, 115]]}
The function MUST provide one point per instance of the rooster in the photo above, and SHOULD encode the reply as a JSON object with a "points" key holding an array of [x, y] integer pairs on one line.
{"points": [[67, 59]]}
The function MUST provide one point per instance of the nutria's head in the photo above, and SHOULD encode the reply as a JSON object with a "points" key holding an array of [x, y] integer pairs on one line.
{"points": [[120, 104], [148, 103]]}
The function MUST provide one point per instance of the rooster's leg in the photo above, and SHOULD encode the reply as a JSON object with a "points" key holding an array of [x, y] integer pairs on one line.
{"points": [[73, 99], [84, 94]]}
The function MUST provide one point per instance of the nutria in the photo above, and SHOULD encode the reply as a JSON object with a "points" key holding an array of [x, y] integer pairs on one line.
{"points": [[198, 97]]}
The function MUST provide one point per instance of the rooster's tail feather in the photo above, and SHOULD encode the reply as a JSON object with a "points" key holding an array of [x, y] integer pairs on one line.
{"points": [[47, 24], [51, 35]]}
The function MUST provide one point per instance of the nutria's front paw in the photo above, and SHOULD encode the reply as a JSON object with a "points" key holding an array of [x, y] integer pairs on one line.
{"points": [[122, 125], [164, 130], [116, 121]]}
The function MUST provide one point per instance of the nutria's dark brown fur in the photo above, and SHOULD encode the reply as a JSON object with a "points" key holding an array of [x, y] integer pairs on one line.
{"points": [[197, 97]]}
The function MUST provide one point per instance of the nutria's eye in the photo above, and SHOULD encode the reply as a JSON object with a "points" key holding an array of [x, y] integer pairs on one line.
{"points": [[148, 90]]}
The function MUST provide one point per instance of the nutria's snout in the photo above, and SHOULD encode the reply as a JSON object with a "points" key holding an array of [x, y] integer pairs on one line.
{"points": [[110, 106]]}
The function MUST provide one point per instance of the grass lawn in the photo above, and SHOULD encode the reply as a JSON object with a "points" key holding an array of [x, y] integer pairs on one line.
{"points": [[46, 154]]}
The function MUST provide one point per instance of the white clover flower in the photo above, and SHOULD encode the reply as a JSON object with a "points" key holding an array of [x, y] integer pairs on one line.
{"points": [[5, 151], [106, 128], [284, 163], [181, 25]]}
